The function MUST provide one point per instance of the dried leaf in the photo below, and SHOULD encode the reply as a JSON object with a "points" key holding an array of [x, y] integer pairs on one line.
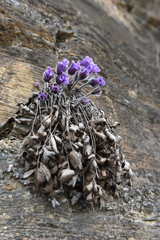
{"points": [[79, 144], [73, 181], [54, 145], [25, 120], [111, 163], [42, 174], [88, 188], [34, 137], [58, 140], [86, 138], [75, 146], [26, 109], [56, 115], [100, 121], [102, 161], [95, 188], [55, 203], [28, 173], [112, 137], [94, 164], [100, 191], [81, 126], [102, 203], [87, 150], [75, 159], [63, 122], [99, 128], [47, 121], [26, 166], [99, 134], [47, 154], [118, 177], [54, 169], [96, 200], [89, 197], [76, 197], [89, 176], [39, 177], [49, 186], [41, 130], [74, 128], [73, 136], [103, 174], [64, 165], [126, 166], [115, 124], [130, 173], [66, 175]]}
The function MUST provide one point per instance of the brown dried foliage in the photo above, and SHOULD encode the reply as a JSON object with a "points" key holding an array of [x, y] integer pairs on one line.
{"points": [[72, 149]]}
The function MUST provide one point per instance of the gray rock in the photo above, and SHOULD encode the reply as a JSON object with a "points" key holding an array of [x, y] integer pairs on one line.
{"points": [[35, 34]]}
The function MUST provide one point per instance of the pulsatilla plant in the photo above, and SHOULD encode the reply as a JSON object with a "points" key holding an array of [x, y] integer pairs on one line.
{"points": [[72, 148]]}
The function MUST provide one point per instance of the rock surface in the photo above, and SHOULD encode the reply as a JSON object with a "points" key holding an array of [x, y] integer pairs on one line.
{"points": [[123, 40]]}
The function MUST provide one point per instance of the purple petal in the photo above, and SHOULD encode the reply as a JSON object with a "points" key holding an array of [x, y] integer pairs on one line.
{"points": [[101, 82], [62, 79], [97, 82], [42, 96], [48, 74], [55, 89], [62, 66], [73, 68], [84, 73], [36, 85], [94, 68], [85, 100], [94, 82], [86, 61]]}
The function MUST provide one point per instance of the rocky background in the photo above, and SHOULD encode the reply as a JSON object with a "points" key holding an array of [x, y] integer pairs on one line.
{"points": [[123, 38]]}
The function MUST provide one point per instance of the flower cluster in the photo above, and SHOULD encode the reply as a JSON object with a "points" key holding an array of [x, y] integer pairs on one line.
{"points": [[73, 77]]}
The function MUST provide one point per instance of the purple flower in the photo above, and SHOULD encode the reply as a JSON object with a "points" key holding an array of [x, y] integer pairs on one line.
{"points": [[48, 74], [84, 73], [42, 96], [73, 68], [62, 79], [96, 92], [85, 100], [94, 82], [97, 82], [55, 89], [101, 82], [90, 65], [94, 68], [62, 66], [36, 85], [86, 61]]}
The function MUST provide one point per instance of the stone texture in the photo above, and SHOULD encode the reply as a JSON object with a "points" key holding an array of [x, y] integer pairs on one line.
{"points": [[33, 35]]}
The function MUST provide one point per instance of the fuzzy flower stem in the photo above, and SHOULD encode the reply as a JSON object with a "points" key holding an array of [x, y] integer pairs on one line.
{"points": [[46, 85], [38, 160], [40, 114], [90, 133], [83, 85], [35, 117], [89, 94], [67, 121], [72, 88], [51, 112]]}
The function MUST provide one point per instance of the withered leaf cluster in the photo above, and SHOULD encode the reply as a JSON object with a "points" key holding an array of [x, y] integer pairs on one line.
{"points": [[72, 150]]}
